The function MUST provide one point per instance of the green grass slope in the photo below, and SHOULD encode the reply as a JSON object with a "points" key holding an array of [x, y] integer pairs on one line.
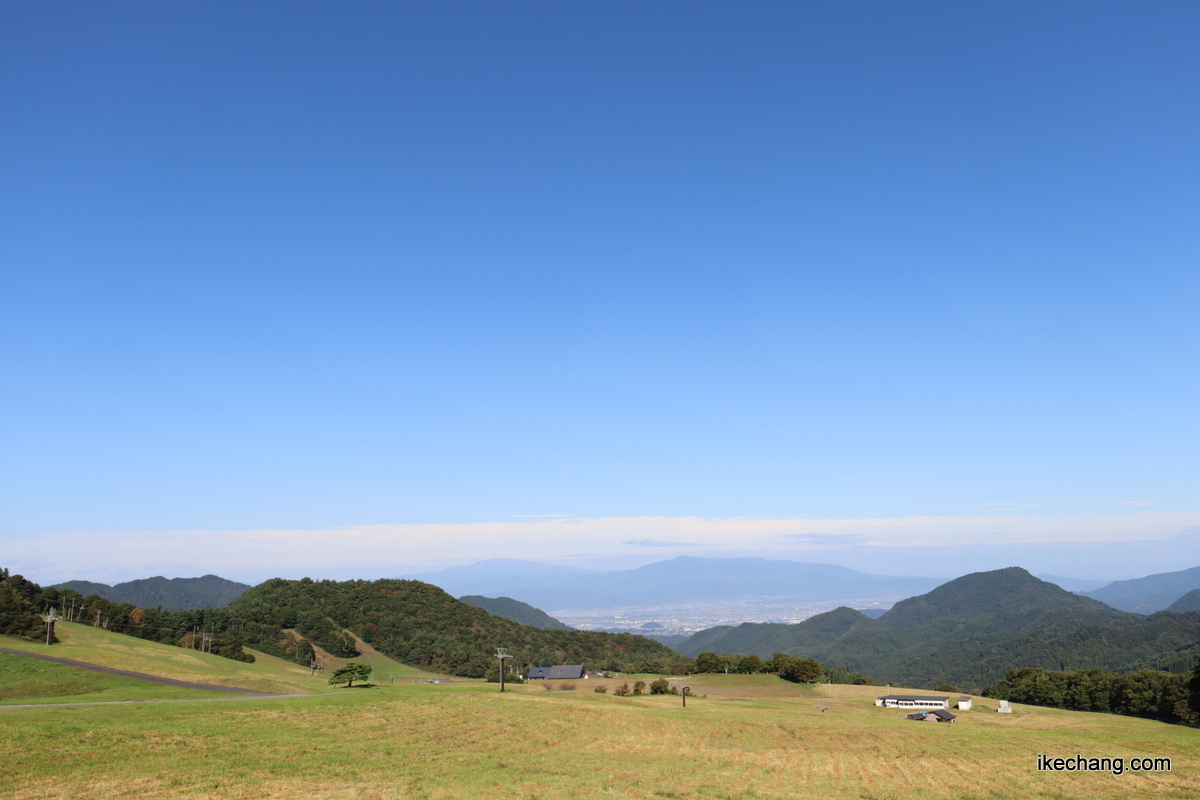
{"points": [[267, 673], [28, 680]]}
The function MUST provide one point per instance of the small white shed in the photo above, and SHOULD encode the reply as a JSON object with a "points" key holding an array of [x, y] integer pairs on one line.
{"points": [[964, 703]]}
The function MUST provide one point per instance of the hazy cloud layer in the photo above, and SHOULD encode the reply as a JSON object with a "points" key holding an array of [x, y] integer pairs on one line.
{"points": [[1106, 547]]}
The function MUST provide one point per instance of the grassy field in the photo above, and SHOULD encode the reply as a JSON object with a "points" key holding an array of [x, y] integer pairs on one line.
{"points": [[267, 674], [27, 680], [752, 737]]}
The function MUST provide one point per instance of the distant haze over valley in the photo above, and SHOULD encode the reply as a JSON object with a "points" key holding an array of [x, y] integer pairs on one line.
{"points": [[685, 593]]}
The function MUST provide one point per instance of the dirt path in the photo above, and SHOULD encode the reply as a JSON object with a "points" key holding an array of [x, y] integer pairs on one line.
{"points": [[141, 676]]}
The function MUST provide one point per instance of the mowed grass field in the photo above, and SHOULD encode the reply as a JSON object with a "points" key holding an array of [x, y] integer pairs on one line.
{"points": [[267, 674], [752, 737], [27, 680]]}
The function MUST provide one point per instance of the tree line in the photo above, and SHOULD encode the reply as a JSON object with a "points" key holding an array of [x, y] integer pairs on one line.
{"points": [[791, 668], [1147, 693]]}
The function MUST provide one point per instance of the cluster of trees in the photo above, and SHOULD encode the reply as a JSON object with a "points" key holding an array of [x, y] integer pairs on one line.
{"points": [[419, 624], [790, 668], [1147, 693], [22, 603]]}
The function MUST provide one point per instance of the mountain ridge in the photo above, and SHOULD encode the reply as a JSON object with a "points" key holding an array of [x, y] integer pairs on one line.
{"points": [[1148, 594], [970, 632], [207, 591]]}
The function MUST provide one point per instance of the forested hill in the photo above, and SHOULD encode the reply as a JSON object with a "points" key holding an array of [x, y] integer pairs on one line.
{"points": [[516, 611], [420, 624], [1011, 594], [1189, 602], [971, 632], [210, 591]]}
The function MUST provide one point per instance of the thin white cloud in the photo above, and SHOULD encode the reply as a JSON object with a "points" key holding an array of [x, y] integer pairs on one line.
{"points": [[1136, 503], [379, 550], [826, 538]]}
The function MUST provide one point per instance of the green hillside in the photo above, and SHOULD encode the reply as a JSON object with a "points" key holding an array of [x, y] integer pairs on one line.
{"points": [[1189, 602], [1012, 594], [971, 631], [516, 611], [420, 624], [209, 591]]}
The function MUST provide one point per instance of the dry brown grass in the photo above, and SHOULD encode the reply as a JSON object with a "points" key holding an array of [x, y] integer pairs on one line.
{"points": [[421, 742]]}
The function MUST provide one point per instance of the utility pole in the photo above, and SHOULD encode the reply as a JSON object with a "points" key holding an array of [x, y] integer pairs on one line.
{"points": [[51, 618], [502, 654], [97, 619]]}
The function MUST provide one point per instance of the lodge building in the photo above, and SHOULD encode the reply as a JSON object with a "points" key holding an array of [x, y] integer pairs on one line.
{"points": [[921, 701]]}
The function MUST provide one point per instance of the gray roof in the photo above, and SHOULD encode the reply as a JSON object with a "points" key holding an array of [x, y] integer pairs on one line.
{"points": [[561, 671], [538, 672], [942, 714]]}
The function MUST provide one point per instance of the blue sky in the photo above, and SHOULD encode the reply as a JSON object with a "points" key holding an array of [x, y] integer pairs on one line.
{"points": [[284, 266]]}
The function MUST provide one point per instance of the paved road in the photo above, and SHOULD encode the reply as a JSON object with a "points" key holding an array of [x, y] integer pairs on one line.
{"points": [[141, 676]]}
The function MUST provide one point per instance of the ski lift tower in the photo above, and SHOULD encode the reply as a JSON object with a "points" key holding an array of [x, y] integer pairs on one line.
{"points": [[51, 618], [502, 654]]}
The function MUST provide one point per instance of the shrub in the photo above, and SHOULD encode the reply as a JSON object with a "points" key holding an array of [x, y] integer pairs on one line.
{"points": [[660, 686], [622, 690], [546, 687], [601, 689], [566, 687], [639, 687]]}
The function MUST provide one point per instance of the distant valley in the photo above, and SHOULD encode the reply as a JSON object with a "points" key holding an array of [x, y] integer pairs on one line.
{"points": [[683, 594]]}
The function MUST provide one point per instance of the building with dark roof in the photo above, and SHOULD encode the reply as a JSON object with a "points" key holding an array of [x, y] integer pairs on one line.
{"points": [[942, 715], [566, 673], [561, 672]]}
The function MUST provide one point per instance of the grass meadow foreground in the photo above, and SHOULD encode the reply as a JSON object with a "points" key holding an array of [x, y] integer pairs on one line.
{"points": [[751, 737]]}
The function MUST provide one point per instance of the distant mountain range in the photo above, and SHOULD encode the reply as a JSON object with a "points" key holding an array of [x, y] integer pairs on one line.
{"points": [[970, 632], [209, 591], [1149, 594], [1074, 584], [516, 611], [678, 581]]}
